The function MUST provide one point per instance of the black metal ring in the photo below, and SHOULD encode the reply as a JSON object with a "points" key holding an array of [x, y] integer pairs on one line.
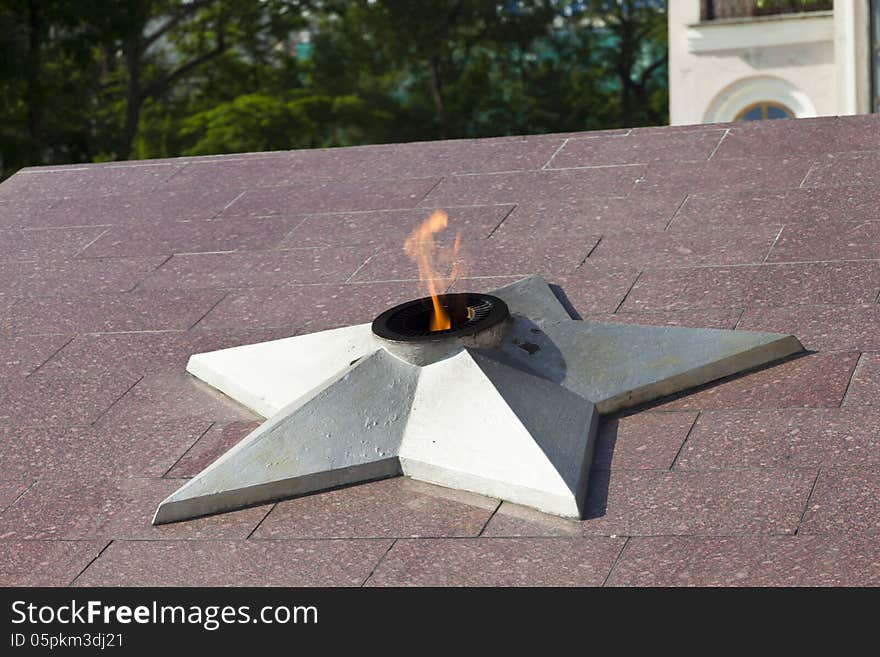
{"points": [[470, 312]]}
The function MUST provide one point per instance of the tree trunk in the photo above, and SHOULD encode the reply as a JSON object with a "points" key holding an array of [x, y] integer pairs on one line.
{"points": [[437, 95], [34, 96], [624, 69], [134, 97]]}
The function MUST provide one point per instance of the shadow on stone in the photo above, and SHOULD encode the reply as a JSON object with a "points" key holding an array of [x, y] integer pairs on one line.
{"points": [[565, 301], [596, 504], [606, 441], [527, 346]]}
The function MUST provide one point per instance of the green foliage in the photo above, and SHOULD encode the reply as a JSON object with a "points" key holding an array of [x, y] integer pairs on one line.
{"points": [[111, 79], [257, 122]]}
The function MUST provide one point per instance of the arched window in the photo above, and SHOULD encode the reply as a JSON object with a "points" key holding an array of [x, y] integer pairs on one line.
{"points": [[764, 110], [761, 97]]}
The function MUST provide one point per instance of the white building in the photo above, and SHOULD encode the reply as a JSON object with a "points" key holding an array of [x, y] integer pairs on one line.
{"points": [[739, 60]]}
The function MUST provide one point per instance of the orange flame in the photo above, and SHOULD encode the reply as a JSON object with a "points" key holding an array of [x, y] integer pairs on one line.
{"points": [[433, 261]]}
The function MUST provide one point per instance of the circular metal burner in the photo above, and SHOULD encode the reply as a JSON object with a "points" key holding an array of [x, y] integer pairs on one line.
{"points": [[468, 312]]}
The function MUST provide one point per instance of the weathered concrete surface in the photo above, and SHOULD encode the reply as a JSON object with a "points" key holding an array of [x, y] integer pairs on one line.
{"points": [[532, 298], [515, 421], [347, 430], [496, 431], [481, 426], [268, 376], [426, 353], [618, 366]]}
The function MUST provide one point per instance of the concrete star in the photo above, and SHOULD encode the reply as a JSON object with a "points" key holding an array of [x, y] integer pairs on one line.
{"points": [[517, 422]]}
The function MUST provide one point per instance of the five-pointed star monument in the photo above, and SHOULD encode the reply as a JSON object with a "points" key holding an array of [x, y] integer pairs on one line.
{"points": [[516, 420]]}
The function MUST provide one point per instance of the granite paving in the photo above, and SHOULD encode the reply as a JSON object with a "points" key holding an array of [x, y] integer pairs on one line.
{"points": [[22, 355], [392, 508], [764, 285], [842, 560], [865, 386], [45, 563], [47, 243], [113, 274], [716, 318], [138, 311]]}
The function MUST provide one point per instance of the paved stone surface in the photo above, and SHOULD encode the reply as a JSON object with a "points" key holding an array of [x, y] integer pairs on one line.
{"points": [[244, 563], [641, 441], [118, 450], [845, 501], [496, 256], [21, 213], [20, 356], [111, 508], [765, 173], [800, 138], [792, 206], [215, 442], [388, 228], [645, 503], [773, 285], [498, 562], [74, 277], [424, 159], [6, 302], [197, 236], [783, 438], [815, 283], [161, 397], [113, 313], [579, 214], [142, 352], [690, 288], [49, 243], [865, 387], [809, 381], [749, 561], [841, 241], [533, 186], [678, 248], [238, 270], [658, 147], [59, 401], [825, 327], [11, 488], [45, 563], [836, 169], [36, 183], [308, 308], [776, 228], [334, 196], [392, 508], [130, 209], [590, 289]]}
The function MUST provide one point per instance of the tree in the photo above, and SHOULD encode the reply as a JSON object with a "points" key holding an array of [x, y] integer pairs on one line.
{"points": [[410, 57], [481, 68], [46, 83], [87, 80], [161, 42], [638, 56]]}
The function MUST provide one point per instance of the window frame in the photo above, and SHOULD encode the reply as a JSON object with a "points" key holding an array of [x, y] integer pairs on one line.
{"points": [[764, 106], [874, 52]]}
